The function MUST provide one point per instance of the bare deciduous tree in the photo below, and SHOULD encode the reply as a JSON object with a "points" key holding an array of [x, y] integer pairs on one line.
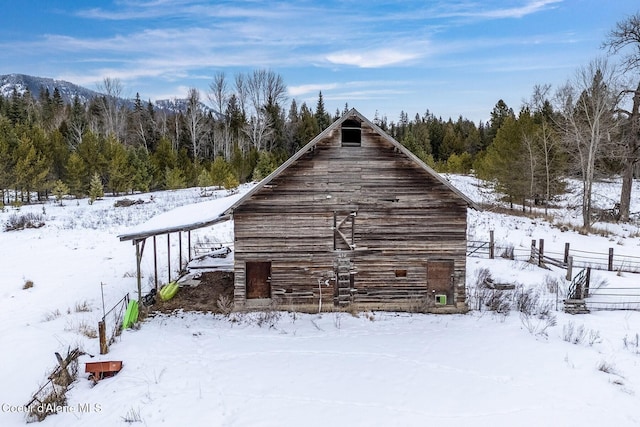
{"points": [[587, 104], [547, 142], [625, 38], [264, 89], [112, 114], [195, 121], [219, 97]]}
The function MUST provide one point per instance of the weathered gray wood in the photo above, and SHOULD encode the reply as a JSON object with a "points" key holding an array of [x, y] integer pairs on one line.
{"points": [[404, 218]]}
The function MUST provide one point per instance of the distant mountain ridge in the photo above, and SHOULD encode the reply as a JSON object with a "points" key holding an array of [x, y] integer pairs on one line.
{"points": [[68, 91], [22, 82]]}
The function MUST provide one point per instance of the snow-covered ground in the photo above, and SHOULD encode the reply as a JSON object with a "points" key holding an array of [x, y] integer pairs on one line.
{"points": [[284, 369]]}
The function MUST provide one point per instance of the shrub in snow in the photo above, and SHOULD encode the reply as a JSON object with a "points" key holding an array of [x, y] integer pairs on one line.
{"points": [[20, 222], [507, 252], [132, 416], [225, 304], [578, 335], [537, 325], [606, 367], [632, 344]]}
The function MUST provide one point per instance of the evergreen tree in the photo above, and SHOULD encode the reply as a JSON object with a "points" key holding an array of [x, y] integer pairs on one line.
{"points": [[267, 163], [140, 162], [322, 117], [60, 189], [75, 175], [162, 159], [219, 171], [308, 128], [204, 178], [8, 145], [502, 162], [498, 115], [175, 179], [120, 171], [31, 168], [96, 189]]}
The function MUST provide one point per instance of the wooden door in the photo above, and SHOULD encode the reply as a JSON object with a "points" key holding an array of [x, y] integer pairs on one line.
{"points": [[259, 279], [440, 279]]}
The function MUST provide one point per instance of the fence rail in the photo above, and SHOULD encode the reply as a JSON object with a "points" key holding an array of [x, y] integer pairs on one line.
{"points": [[112, 323], [598, 299]]}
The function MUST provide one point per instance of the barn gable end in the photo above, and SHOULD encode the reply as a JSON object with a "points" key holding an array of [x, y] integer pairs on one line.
{"points": [[352, 218]]}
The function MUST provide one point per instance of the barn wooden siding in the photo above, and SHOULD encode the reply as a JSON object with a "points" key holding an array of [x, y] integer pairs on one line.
{"points": [[406, 225]]}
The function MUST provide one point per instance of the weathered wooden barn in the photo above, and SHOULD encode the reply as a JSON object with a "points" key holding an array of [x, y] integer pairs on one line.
{"points": [[353, 218]]}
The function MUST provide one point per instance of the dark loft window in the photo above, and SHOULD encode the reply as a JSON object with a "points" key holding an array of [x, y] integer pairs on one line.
{"points": [[401, 273], [351, 132]]}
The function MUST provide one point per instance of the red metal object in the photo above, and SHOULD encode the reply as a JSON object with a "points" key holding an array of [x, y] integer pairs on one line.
{"points": [[100, 370]]}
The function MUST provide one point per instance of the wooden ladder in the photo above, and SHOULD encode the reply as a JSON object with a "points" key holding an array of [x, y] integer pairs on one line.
{"points": [[343, 279]]}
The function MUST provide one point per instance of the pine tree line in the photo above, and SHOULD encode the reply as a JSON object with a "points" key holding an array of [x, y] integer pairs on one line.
{"points": [[584, 130]]}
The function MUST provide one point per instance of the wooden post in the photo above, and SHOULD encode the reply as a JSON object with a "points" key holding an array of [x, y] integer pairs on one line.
{"points": [[138, 269], [65, 377], [491, 245], [334, 230], [169, 256], [586, 283], [541, 254], [180, 250], [532, 257], [189, 245], [155, 263], [570, 268], [610, 259], [566, 253], [102, 333]]}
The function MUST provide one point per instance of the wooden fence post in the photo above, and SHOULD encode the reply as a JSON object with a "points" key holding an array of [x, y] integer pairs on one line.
{"points": [[610, 259], [566, 253], [541, 254], [532, 257], [491, 245], [102, 333], [570, 268], [586, 283]]}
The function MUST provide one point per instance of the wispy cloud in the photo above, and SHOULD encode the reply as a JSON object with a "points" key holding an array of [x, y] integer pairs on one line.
{"points": [[372, 58]]}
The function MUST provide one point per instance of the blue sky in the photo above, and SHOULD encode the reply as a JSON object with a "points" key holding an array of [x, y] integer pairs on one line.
{"points": [[451, 57]]}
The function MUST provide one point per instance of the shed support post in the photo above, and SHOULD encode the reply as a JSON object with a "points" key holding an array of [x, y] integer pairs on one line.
{"points": [[139, 252], [155, 263], [189, 245], [180, 250], [169, 257]]}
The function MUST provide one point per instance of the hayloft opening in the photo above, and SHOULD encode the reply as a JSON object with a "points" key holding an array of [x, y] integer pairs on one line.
{"points": [[351, 133]]}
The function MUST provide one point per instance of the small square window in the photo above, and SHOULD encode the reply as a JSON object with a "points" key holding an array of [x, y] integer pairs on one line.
{"points": [[401, 273], [351, 133]]}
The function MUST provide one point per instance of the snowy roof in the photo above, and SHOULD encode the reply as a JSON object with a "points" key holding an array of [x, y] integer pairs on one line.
{"points": [[184, 218]]}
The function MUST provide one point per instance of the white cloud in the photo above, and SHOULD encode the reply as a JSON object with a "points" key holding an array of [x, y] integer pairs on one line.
{"points": [[372, 58], [313, 88]]}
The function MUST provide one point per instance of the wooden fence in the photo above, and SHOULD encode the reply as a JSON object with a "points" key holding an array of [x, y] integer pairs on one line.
{"points": [[537, 254], [114, 317], [596, 298]]}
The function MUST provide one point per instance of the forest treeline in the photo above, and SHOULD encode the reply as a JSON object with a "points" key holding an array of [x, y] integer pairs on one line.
{"points": [[587, 128]]}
